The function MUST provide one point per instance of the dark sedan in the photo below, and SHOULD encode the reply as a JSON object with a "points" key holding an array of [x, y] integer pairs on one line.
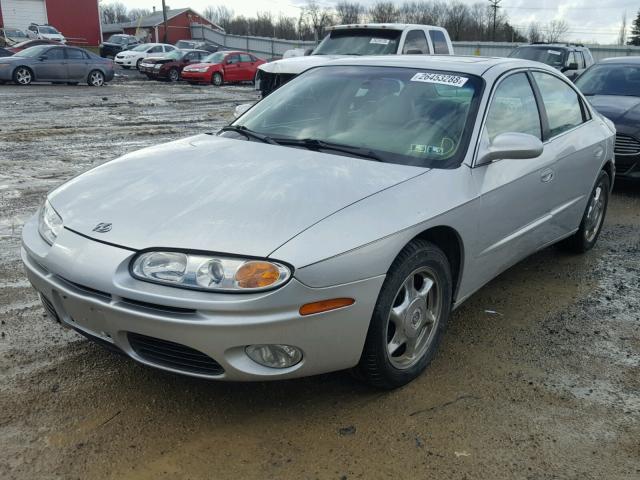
{"points": [[5, 53], [613, 88], [169, 66], [57, 64]]}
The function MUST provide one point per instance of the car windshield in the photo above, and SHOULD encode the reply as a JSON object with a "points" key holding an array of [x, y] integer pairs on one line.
{"points": [[15, 33], [175, 55], [549, 55], [398, 115], [359, 42], [33, 51], [49, 30], [217, 57], [611, 79], [119, 39], [185, 44], [142, 48]]}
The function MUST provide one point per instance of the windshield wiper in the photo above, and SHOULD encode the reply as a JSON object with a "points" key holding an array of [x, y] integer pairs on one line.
{"points": [[241, 129], [315, 144]]}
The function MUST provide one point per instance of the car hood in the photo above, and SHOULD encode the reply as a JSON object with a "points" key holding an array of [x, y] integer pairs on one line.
{"points": [[218, 194], [296, 65], [619, 109]]}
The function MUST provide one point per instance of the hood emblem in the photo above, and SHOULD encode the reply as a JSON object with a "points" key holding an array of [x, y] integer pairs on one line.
{"points": [[102, 228]]}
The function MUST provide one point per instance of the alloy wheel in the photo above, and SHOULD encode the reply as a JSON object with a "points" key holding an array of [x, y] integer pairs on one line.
{"points": [[174, 75], [595, 213], [96, 79], [413, 319], [23, 76]]}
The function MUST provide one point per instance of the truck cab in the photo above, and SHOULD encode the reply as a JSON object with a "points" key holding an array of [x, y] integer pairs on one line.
{"points": [[356, 40]]}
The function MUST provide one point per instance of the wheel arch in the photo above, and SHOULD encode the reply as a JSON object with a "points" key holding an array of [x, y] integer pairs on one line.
{"points": [[450, 242], [33, 74], [610, 169]]}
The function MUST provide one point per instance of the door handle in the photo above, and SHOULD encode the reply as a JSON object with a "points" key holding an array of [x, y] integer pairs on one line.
{"points": [[546, 176]]}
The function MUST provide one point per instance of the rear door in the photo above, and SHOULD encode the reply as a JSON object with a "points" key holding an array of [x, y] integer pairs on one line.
{"points": [[578, 144], [78, 64], [514, 213], [247, 71], [52, 65]]}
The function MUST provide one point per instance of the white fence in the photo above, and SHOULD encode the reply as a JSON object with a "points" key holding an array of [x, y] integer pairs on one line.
{"points": [[270, 48]]}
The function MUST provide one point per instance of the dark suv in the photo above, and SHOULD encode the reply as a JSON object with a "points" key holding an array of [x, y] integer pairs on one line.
{"points": [[117, 43], [570, 59]]}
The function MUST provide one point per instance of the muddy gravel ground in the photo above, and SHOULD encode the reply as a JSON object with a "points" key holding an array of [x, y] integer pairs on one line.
{"points": [[538, 375]]}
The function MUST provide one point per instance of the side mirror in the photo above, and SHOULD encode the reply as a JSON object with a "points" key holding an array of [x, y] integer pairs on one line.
{"points": [[512, 146], [42, 58]]}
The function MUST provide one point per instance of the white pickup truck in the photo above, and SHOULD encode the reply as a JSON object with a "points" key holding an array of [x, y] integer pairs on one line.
{"points": [[347, 40]]}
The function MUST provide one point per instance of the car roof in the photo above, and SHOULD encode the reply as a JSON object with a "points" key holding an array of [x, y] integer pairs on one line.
{"points": [[387, 26], [471, 65], [631, 60]]}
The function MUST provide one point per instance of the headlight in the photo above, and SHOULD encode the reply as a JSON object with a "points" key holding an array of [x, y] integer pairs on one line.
{"points": [[50, 223], [201, 69], [158, 66], [209, 272]]}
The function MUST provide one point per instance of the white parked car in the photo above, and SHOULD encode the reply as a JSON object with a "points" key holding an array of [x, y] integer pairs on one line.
{"points": [[45, 32], [356, 40], [133, 57]]}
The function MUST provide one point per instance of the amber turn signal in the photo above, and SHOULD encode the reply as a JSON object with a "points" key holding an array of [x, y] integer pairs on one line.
{"points": [[257, 275], [325, 305]]}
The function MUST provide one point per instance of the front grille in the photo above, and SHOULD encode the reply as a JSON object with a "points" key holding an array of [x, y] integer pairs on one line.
{"points": [[173, 355], [48, 306], [626, 145]]}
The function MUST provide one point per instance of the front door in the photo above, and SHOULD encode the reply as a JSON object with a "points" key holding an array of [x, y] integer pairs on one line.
{"points": [[514, 194], [52, 65]]}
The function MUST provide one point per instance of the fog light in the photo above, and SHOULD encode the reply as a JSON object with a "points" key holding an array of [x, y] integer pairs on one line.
{"points": [[274, 356]]}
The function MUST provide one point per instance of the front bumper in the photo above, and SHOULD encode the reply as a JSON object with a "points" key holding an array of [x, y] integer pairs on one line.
{"points": [[86, 285], [198, 77], [628, 166], [128, 62]]}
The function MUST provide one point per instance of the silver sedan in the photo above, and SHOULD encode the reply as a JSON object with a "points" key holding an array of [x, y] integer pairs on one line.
{"points": [[335, 225]]}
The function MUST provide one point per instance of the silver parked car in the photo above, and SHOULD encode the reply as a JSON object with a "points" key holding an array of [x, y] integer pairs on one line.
{"points": [[47, 63], [334, 225]]}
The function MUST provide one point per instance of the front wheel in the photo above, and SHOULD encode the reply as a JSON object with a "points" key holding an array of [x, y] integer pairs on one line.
{"points": [[174, 75], [138, 63], [217, 79], [23, 76], [96, 78], [593, 218], [409, 317]]}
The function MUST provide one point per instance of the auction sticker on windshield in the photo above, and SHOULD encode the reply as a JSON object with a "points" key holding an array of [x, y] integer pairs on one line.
{"points": [[380, 41], [440, 79]]}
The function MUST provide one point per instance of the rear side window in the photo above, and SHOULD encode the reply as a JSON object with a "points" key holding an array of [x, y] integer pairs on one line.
{"points": [[55, 54], [233, 59], [169, 48], [561, 102], [439, 41], [245, 58], [74, 54], [415, 43], [513, 109], [155, 50]]}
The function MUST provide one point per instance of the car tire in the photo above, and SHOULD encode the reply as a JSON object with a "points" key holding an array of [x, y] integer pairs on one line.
{"points": [[23, 76], [409, 317], [593, 217], [173, 75], [138, 64], [95, 78], [217, 79]]}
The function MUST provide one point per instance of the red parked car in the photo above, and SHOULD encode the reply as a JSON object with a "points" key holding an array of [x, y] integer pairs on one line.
{"points": [[223, 67], [31, 43]]}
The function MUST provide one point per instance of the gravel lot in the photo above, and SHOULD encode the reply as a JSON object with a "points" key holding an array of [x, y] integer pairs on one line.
{"points": [[538, 375]]}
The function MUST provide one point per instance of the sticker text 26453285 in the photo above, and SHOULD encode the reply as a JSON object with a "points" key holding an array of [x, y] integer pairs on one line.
{"points": [[441, 79]]}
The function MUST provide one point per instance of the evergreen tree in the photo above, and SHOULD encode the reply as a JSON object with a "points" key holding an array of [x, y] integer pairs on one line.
{"points": [[635, 32]]}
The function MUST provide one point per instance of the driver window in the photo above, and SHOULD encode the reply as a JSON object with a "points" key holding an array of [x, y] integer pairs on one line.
{"points": [[513, 109], [233, 59]]}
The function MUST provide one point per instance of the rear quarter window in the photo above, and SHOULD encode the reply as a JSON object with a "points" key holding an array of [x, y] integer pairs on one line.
{"points": [[439, 41]]}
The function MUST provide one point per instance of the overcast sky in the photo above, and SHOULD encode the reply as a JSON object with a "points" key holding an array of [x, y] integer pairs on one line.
{"points": [[589, 20]]}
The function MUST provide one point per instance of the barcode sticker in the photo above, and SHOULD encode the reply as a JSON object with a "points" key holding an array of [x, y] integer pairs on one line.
{"points": [[441, 79]]}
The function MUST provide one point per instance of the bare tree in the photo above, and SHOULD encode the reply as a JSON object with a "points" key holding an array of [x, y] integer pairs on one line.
{"points": [[556, 29], [622, 36], [136, 13], [384, 12], [457, 16], [318, 17], [349, 12], [220, 15], [113, 12], [534, 32]]}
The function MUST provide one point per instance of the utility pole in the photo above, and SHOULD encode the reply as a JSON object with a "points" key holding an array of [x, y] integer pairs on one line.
{"points": [[495, 4], [164, 17]]}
